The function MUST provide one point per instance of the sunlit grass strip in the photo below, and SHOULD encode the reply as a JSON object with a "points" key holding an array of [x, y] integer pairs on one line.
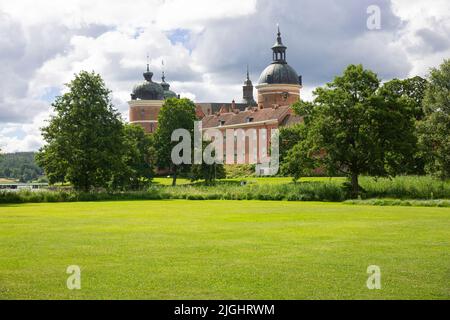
{"points": [[399, 202]]}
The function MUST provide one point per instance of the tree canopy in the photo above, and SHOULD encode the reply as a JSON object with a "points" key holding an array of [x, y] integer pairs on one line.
{"points": [[136, 170], [20, 166], [84, 138], [412, 89], [434, 130], [174, 114], [354, 126]]}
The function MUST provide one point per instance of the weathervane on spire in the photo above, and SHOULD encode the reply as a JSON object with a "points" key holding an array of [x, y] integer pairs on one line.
{"points": [[279, 34], [148, 74], [279, 49]]}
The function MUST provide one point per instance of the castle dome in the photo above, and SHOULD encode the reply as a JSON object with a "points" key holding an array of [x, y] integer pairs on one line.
{"points": [[279, 71], [148, 90], [166, 87]]}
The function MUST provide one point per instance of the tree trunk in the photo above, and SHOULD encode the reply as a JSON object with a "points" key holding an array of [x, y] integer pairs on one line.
{"points": [[174, 177], [355, 185], [86, 186]]}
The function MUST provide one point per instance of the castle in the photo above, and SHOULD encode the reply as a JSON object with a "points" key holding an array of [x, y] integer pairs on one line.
{"points": [[278, 88]]}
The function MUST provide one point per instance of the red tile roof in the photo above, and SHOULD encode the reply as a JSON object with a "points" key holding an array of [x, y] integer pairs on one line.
{"points": [[258, 115]]}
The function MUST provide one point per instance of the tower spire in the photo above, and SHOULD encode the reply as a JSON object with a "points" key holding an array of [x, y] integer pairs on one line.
{"points": [[247, 90], [163, 78], [164, 84], [279, 49], [279, 41], [148, 74]]}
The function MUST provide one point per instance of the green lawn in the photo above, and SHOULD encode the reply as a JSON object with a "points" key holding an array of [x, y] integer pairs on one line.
{"points": [[223, 250]]}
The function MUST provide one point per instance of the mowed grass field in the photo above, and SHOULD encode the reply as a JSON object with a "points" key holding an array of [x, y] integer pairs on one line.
{"points": [[180, 249]]}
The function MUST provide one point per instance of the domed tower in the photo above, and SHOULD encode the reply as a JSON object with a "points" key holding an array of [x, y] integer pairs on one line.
{"points": [[279, 84], [167, 92], [247, 91], [146, 100]]}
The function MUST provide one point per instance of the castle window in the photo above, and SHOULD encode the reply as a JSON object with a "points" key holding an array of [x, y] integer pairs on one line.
{"points": [[221, 123], [249, 119]]}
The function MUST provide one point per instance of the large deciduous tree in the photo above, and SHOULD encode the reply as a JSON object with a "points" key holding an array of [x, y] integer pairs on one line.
{"points": [[84, 137], [434, 130], [355, 127], [137, 163], [174, 114]]}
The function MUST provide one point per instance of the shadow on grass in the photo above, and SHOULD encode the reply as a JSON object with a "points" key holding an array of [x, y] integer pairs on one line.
{"points": [[19, 204], [31, 204]]}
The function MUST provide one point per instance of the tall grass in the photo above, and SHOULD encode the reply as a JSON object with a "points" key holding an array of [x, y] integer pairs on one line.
{"points": [[406, 187], [400, 202], [419, 188], [25, 196], [319, 191]]}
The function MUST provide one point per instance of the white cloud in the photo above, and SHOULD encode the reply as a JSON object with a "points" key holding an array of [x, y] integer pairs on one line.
{"points": [[424, 17], [23, 137]]}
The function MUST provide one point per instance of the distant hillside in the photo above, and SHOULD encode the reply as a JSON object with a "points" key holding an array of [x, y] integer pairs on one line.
{"points": [[19, 166]]}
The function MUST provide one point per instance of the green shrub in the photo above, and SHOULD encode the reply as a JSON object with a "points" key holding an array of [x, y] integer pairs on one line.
{"points": [[239, 170]]}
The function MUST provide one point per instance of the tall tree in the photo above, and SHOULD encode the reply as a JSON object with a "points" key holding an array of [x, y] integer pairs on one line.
{"points": [[137, 166], [434, 130], [84, 137], [355, 127], [174, 114]]}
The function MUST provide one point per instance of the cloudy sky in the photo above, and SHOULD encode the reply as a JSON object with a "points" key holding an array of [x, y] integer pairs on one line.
{"points": [[205, 45]]}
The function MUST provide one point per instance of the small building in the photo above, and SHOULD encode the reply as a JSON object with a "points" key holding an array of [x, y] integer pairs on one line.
{"points": [[23, 186]]}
